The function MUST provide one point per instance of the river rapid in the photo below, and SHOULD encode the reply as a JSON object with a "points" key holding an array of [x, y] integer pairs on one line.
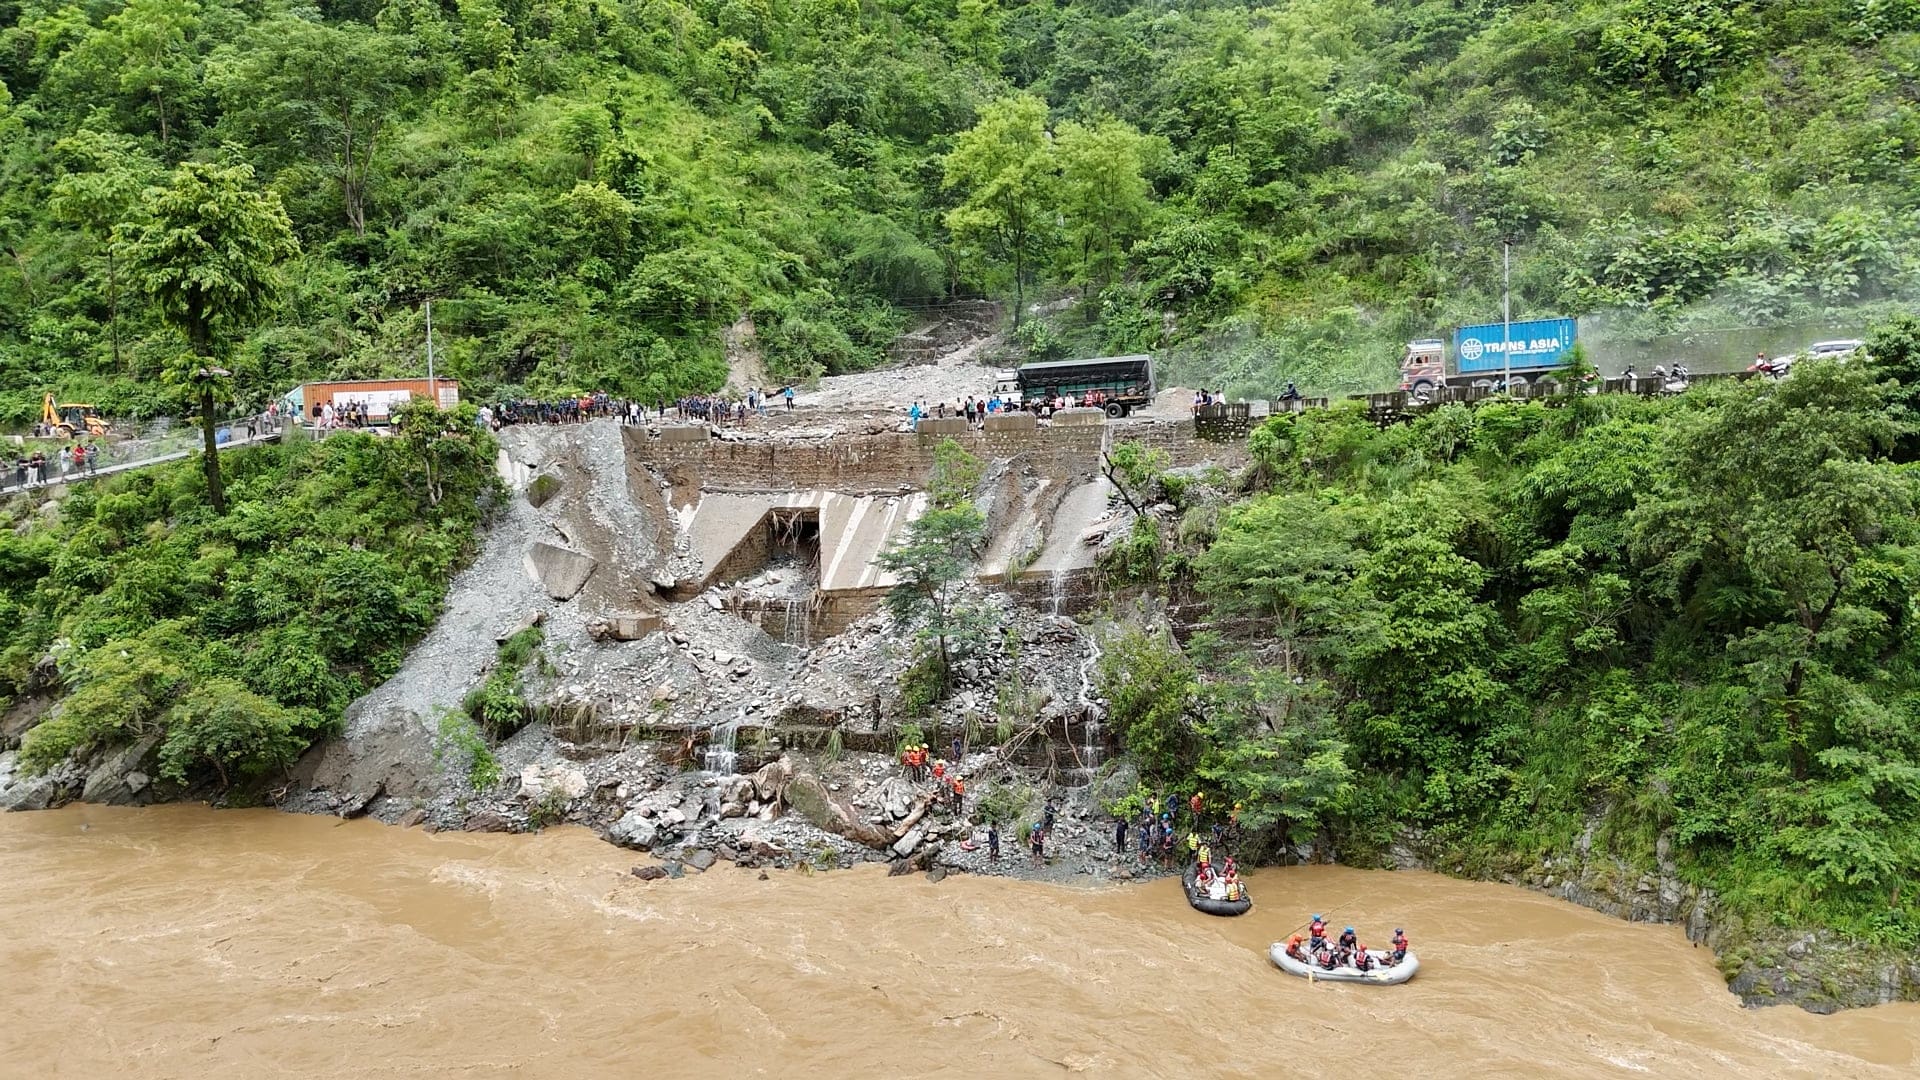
{"points": [[183, 942]]}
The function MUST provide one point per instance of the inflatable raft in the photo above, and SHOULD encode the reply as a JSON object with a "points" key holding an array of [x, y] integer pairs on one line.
{"points": [[1202, 902], [1381, 975]]}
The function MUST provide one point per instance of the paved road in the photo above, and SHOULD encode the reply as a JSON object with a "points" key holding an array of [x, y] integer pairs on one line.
{"points": [[240, 438]]}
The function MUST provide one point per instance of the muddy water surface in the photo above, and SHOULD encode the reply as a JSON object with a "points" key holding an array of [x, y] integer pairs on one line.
{"points": [[179, 942]]}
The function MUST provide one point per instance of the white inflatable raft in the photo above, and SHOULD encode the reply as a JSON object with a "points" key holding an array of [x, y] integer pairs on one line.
{"points": [[1381, 975]]}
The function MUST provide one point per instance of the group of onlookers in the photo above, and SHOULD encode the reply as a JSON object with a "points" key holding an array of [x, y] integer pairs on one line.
{"points": [[38, 469]]}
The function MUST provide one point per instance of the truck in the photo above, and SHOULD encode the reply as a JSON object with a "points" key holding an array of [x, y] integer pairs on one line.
{"points": [[1482, 353], [1006, 386], [1118, 384], [65, 421], [378, 395]]}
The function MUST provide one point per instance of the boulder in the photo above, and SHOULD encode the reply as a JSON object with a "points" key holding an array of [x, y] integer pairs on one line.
{"points": [[648, 873], [905, 846], [806, 794], [633, 830], [411, 818], [701, 859], [107, 780], [488, 821], [770, 783], [561, 572], [137, 782], [538, 783], [896, 797]]}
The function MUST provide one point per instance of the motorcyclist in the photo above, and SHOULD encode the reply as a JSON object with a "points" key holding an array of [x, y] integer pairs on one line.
{"points": [[1291, 393]]}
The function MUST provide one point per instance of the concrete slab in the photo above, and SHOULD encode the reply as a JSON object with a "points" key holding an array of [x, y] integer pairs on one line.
{"points": [[853, 530], [1018, 421], [685, 433], [1079, 418], [1079, 509], [559, 571], [942, 425]]}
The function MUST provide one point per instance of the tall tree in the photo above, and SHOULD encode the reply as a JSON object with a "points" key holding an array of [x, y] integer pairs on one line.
{"points": [[1103, 192], [101, 196], [210, 259], [326, 92], [1006, 165], [933, 559]]}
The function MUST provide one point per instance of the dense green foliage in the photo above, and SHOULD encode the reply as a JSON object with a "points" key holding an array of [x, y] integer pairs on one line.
{"points": [[592, 189], [933, 559], [237, 639], [1691, 617]]}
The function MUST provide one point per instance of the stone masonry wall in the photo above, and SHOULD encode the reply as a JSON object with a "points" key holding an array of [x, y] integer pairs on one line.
{"points": [[890, 462], [855, 464]]}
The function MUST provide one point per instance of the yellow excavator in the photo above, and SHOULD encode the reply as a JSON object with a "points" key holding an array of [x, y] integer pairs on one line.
{"points": [[71, 418]]}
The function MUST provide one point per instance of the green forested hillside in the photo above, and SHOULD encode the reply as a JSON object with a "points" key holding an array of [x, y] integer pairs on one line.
{"points": [[1678, 633], [592, 189]]}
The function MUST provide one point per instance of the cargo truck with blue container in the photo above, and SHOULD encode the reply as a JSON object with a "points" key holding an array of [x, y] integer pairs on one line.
{"points": [[1483, 354]]}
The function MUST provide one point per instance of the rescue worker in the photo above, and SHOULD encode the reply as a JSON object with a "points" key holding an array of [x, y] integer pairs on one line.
{"points": [[939, 772], [1206, 856], [1193, 844], [1293, 947], [1343, 948], [959, 796], [1399, 952], [1360, 959], [1317, 930]]}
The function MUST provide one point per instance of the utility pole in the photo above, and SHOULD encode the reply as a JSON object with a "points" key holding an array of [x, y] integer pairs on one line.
{"points": [[1506, 316], [433, 388]]}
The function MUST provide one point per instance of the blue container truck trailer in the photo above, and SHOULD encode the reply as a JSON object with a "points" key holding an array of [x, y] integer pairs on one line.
{"points": [[1482, 353]]}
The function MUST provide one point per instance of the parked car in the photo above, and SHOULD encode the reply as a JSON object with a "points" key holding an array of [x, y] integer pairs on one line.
{"points": [[1828, 350]]}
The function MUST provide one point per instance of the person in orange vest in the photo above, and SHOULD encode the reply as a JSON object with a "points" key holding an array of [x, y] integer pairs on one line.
{"points": [[1194, 804], [939, 772], [1361, 958], [1399, 952], [959, 796], [1293, 947]]}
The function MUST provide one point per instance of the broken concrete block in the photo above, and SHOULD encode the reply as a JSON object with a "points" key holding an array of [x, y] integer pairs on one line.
{"points": [[685, 433], [543, 488], [1079, 418], [561, 572], [942, 425], [1016, 421]]}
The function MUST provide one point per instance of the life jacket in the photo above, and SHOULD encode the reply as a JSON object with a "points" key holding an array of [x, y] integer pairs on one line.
{"points": [[1328, 961], [1360, 958], [1318, 930], [958, 787], [1400, 942]]}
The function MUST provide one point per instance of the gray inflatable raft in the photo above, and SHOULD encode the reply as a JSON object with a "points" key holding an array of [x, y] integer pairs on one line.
{"points": [[1202, 902], [1381, 975]]}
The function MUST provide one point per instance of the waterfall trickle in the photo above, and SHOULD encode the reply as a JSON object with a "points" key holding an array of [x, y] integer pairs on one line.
{"points": [[720, 756], [1057, 590], [798, 629]]}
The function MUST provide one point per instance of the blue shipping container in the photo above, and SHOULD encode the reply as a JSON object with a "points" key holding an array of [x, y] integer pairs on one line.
{"points": [[1534, 344]]}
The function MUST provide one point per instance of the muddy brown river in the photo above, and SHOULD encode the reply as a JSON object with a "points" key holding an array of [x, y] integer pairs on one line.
{"points": [[180, 942]]}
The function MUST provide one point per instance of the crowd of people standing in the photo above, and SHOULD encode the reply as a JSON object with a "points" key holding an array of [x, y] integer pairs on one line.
{"points": [[709, 408], [39, 469]]}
